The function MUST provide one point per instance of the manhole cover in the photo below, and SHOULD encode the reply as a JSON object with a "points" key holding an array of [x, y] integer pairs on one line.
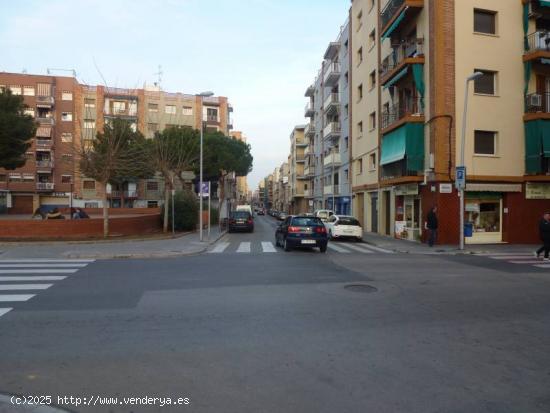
{"points": [[361, 288]]}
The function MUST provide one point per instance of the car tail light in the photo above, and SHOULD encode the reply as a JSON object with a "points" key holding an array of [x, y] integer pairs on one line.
{"points": [[293, 229], [321, 230], [250, 220], [232, 221]]}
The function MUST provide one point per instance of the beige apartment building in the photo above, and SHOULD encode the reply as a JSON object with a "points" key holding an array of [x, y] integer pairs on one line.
{"points": [[242, 181], [298, 180], [412, 58]]}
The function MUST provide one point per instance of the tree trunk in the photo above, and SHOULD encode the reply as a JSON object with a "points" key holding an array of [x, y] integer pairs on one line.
{"points": [[105, 212], [166, 207]]}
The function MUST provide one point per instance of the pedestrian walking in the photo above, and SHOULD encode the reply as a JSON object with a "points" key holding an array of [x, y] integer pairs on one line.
{"points": [[432, 225], [544, 230]]}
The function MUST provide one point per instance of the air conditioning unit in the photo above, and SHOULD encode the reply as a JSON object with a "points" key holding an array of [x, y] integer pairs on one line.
{"points": [[535, 100]]}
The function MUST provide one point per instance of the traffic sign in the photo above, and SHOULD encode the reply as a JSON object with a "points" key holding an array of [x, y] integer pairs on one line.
{"points": [[460, 177]]}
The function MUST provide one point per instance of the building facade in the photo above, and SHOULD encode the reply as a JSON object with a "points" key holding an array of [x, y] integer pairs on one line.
{"points": [[298, 180]]}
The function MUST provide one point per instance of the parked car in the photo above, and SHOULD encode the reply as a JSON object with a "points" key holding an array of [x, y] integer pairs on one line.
{"points": [[246, 208], [301, 231], [261, 211], [324, 214], [282, 216], [274, 213], [344, 226], [241, 221]]}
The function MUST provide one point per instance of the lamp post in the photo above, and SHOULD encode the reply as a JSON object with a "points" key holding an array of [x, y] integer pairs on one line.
{"points": [[202, 96], [462, 145]]}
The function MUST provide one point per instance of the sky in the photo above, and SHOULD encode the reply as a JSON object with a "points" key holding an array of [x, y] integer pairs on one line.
{"points": [[261, 54]]}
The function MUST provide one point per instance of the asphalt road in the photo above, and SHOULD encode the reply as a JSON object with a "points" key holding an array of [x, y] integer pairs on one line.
{"points": [[262, 330]]}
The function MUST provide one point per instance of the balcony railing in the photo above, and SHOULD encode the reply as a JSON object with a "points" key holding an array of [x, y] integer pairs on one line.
{"points": [[212, 118], [45, 100], [45, 186], [389, 11], [309, 111], [130, 194], [332, 74], [539, 40], [537, 103], [409, 107], [410, 48], [44, 163], [332, 130], [44, 142], [331, 102], [333, 159], [114, 193], [310, 129], [331, 189], [46, 120]]}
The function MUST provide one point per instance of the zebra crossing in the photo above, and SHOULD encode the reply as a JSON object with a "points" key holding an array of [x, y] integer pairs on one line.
{"points": [[20, 282], [520, 259], [268, 247]]}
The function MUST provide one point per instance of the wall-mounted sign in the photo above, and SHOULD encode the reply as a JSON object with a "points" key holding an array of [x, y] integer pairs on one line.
{"points": [[537, 190], [445, 188], [409, 189], [460, 177]]}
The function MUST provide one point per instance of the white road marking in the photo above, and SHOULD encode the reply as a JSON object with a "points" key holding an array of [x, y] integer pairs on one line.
{"points": [[15, 297], [42, 265], [244, 247], [31, 278], [337, 249], [46, 260], [508, 253], [508, 257], [268, 247], [358, 249], [372, 247], [6, 287], [526, 262], [4, 311], [38, 271], [543, 266], [219, 248]]}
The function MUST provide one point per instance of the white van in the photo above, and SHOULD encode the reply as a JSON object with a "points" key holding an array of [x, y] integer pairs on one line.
{"points": [[324, 214]]}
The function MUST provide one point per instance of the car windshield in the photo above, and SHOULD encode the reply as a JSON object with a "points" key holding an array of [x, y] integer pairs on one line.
{"points": [[348, 221], [241, 215], [306, 222]]}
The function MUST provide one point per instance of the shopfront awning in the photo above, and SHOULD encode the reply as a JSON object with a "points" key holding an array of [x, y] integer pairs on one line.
{"points": [[396, 78], [493, 187], [544, 3], [394, 25], [405, 142]]}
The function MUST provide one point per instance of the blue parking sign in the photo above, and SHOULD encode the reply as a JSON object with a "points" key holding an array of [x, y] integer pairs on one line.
{"points": [[460, 177]]}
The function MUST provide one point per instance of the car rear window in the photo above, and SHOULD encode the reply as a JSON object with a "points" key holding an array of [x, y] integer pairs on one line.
{"points": [[349, 221], [306, 222], [241, 214]]}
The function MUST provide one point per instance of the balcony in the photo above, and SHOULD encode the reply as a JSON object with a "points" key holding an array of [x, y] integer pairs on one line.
{"points": [[130, 194], [332, 50], [300, 158], [309, 111], [45, 186], [212, 119], [46, 120], [44, 143], [398, 12], [308, 193], [332, 74], [44, 163], [332, 103], [537, 106], [45, 101], [332, 160], [537, 46], [331, 190], [309, 171], [114, 194], [310, 130], [332, 130], [410, 110], [404, 54], [310, 91]]}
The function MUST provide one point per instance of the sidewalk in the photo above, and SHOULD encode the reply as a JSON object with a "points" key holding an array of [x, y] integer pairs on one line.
{"points": [[412, 247], [188, 244]]}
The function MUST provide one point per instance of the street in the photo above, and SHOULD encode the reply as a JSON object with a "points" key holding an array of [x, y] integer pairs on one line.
{"points": [[247, 327]]}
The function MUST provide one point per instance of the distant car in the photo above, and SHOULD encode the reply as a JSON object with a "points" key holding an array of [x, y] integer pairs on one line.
{"points": [[274, 213], [241, 221], [261, 211], [324, 214], [344, 226], [282, 216], [301, 231]]}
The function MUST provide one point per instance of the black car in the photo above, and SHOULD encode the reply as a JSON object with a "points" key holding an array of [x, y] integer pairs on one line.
{"points": [[261, 212], [241, 221], [301, 231]]}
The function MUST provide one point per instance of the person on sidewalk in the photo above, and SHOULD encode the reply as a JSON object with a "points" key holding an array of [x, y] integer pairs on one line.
{"points": [[544, 230], [431, 226]]}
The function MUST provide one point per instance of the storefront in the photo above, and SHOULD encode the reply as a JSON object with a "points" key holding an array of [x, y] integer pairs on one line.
{"points": [[342, 206], [408, 212]]}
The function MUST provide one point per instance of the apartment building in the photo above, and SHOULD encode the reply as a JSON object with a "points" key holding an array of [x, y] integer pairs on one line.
{"points": [[242, 182], [70, 115], [47, 178], [416, 56], [298, 180]]}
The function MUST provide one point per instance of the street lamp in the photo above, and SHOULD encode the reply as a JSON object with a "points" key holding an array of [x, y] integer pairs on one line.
{"points": [[202, 96], [462, 186]]}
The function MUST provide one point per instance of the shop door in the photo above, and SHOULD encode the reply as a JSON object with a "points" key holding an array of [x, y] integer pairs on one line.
{"points": [[361, 208], [387, 212], [3, 202], [374, 212], [21, 204]]}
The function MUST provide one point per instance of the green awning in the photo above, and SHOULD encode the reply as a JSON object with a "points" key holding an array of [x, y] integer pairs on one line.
{"points": [[545, 3], [396, 78], [406, 142], [537, 144], [394, 25], [546, 140]]}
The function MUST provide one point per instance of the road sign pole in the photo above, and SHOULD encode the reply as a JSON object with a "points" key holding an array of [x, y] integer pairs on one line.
{"points": [[209, 209]]}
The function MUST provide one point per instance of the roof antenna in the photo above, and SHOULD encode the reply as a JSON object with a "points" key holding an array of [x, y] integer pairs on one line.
{"points": [[159, 74]]}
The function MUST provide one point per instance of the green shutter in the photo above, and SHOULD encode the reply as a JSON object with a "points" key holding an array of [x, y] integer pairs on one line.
{"points": [[545, 3], [396, 78], [393, 26], [394, 146], [546, 138], [406, 142], [533, 137]]}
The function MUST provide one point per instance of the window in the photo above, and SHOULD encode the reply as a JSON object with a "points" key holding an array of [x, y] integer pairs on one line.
{"points": [[67, 116], [65, 95], [372, 161], [152, 185], [485, 84], [66, 137], [153, 107], [360, 92], [187, 111], [28, 90], [119, 107], [88, 185], [89, 124], [360, 128], [170, 109], [372, 38], [346, 110], [359, 56], [346, 142], [346, 46], [372, 121], [66, 179], [67, 156], [2, 177], [16, 90], [359, 166], [89, 103], [44, 89], [15, 177], [372, 79], [484, 142], [485, 21], [28, 177], [346, 79], [29, 112], [359, 19]]}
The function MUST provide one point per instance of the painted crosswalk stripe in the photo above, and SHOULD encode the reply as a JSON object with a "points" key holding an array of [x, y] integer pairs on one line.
{"points": [[4, 311], [39, 271], [244, 247], [32, 278], [46, 260], [219, 248], [496, 254], [15, 297], [543, 266], [525, 262], [508, 257], [268, 247], [337, 249], [42, 265], [373, 248], [7, 287], [358, 249]]}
